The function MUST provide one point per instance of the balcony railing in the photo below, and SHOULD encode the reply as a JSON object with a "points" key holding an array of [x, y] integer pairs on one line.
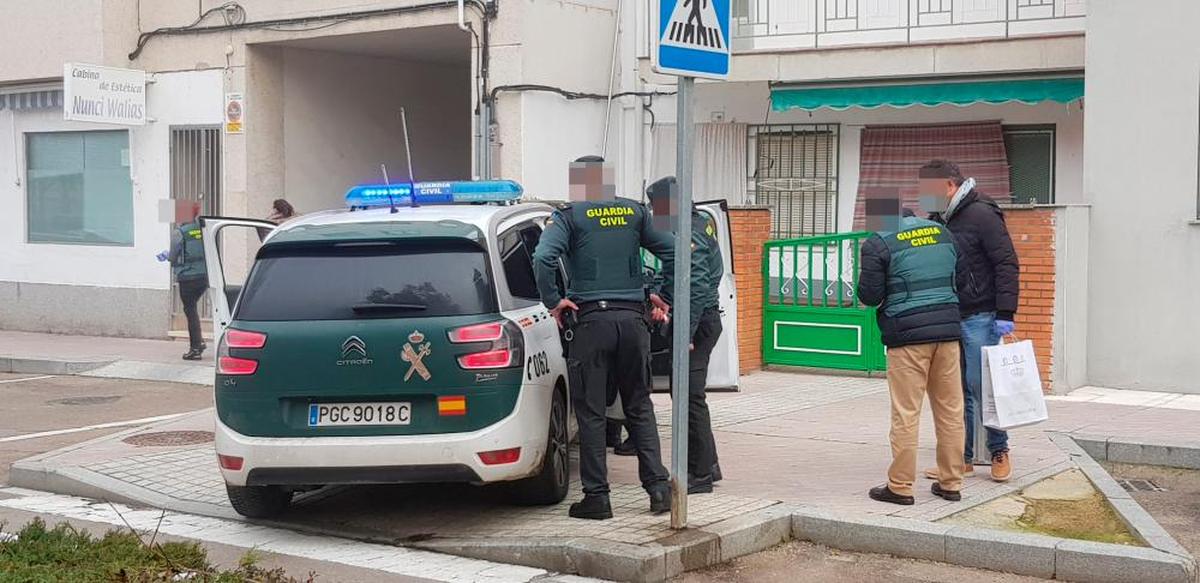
{"points": [[809, 24]]}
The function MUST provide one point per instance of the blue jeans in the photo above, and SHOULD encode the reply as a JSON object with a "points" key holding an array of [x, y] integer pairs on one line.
{"points": [[978, 330]]}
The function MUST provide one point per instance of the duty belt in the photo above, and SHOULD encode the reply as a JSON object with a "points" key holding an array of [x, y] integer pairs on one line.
{"points": [[605, 305]]}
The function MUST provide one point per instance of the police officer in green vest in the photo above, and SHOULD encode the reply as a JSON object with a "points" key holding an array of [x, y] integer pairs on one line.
{"points": [[187, 263], [599, 237], [909, 272], [704, 330]]}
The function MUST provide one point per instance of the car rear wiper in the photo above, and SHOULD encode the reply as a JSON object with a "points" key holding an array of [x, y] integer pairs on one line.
{"points": [[396, 307]]}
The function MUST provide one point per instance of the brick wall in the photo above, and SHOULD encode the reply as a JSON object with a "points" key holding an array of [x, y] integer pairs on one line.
{"points": [[751, 228], [1032, 232]]}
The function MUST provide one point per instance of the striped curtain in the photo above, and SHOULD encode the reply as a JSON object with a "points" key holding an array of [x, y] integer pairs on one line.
{"points": [[891, 156]]}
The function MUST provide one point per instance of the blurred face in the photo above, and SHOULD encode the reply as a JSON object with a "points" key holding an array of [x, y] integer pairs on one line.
{"points": [[665, 209], [592, 181], [935, 193], [883, 209]]}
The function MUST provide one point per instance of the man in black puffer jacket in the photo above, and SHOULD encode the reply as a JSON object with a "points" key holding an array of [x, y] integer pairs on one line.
{"points": [[910, 273], [988, 284]]}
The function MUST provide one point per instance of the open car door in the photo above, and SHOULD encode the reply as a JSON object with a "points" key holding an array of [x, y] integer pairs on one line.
{"points": [[230, 246], [723, 367]]}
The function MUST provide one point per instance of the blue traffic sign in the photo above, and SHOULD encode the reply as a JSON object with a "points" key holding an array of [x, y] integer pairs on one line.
{"points": [[693, 38]]}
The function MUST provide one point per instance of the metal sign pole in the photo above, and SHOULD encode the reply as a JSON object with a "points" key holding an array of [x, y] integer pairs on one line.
{"points": [[682, 307]]}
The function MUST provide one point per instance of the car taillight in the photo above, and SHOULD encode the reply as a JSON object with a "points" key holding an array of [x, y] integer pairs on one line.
{"points": [[491, 359], [230, 462], [500, 456], [227, 364], [244, 339], [490, 332], [231, 365], [505, 345]]}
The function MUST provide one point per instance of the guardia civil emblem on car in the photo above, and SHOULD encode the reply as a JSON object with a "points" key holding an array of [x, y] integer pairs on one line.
{"points": [[414, 354]]}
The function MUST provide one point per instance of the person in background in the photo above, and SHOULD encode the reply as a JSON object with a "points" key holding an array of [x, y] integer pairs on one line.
{"points": [[908, 270], [987, 290], [703, 330], [281, 210], [187, 262]]}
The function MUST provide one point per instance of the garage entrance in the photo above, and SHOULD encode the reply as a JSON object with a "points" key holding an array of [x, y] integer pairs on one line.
{"points": [[332, 114]]}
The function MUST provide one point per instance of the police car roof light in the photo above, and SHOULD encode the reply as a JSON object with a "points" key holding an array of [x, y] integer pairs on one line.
{"points": [[455, 192]]}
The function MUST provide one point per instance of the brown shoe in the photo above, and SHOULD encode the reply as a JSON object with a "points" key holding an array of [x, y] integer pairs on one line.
{"points": [[1001, 466], [968, 472]]}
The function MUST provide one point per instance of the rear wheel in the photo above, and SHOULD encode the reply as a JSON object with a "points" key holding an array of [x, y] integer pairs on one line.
{"points": [[259, 501], [550, 484]]}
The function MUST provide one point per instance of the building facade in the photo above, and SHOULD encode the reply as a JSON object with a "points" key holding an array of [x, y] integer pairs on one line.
{"points": [[1062, 109], [86, 207]]}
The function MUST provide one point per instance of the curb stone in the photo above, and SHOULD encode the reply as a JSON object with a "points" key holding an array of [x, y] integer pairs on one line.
{"points": [[1131, 513], [1176, 454], [1077, 560], [998, 550], [24, 365]]}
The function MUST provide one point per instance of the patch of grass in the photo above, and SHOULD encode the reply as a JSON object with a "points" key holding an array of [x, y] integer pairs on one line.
{"points": [[40, 554], [1088, 519]]}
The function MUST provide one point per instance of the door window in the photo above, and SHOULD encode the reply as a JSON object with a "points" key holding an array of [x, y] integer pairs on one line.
{"points": [[516, 251]]}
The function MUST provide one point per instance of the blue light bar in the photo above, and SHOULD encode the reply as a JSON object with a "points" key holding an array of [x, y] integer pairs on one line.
{"points": [[466, 191]]}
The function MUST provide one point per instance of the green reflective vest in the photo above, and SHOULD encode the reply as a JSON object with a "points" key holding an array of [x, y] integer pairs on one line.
{"points": [[600, 244], [921, 267], [189, 265]]}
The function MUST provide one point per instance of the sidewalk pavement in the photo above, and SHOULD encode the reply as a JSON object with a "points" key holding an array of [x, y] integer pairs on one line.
{"points": [[133, 358], [787, 439], [791, 437]]}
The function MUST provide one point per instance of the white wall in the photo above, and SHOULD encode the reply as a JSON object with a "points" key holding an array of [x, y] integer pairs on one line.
{"points": [[33, 37], [1143, 74], [174, 98], [341, 118]]}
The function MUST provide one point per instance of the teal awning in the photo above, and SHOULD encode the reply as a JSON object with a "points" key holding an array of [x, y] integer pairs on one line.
{"points": [[1028, 91]]}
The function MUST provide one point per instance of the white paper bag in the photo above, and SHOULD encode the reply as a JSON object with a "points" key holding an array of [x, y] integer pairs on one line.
{"points": [[1012, 386]]}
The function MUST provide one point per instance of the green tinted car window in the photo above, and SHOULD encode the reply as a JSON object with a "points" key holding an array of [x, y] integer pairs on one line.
{"points": [[392, 280]]}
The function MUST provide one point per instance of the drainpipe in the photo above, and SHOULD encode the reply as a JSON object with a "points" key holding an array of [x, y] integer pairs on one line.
{"points": [[479, 132]]}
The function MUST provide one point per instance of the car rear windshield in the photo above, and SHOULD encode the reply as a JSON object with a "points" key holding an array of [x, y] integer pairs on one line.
{"points": [[375, 280]]}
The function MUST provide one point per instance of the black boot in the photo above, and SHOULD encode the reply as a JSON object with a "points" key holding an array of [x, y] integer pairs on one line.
{"points": [[592, 507], [885, 494], [700, 484], [951, 495], [660, 498], [193, 354], [613, 433], [716, 472]]}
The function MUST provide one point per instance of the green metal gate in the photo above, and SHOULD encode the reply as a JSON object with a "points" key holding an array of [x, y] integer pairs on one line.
{"points": [[811, 312]]}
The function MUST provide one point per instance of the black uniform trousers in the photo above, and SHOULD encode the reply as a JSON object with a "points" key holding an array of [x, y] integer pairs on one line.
{"points": [[615, 341], [190, 291], [702, 446]]}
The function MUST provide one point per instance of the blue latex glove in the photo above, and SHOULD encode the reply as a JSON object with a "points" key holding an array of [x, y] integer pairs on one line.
{"points": [[1004, 328], [161, 256]]}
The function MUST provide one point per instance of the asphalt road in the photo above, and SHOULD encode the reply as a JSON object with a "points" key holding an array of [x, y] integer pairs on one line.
{"points": [[69, 407]]}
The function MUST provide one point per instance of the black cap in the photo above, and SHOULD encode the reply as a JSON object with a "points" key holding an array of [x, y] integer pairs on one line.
{"points": [[590, 159]]}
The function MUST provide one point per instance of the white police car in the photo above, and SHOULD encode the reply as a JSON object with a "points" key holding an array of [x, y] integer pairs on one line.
{"points": [[387, 343]]}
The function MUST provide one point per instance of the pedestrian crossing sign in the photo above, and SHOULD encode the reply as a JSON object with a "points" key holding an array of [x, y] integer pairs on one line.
{"points": [[692, 38]]}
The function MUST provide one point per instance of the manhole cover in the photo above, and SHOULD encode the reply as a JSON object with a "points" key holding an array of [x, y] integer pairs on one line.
{"points": [[1141, 485], [96, 400], [169, 438]]}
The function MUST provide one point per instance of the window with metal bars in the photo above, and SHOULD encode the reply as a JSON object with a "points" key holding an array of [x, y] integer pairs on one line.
{"points": [[794, 170], [1030, 151]]}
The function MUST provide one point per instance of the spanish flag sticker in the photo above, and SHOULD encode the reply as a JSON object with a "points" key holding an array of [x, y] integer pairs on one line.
{"points": [[452, 406]]}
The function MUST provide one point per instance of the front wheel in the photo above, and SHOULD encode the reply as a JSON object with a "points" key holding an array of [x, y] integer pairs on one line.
{"points": [[550, 484], [259, 501]]}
